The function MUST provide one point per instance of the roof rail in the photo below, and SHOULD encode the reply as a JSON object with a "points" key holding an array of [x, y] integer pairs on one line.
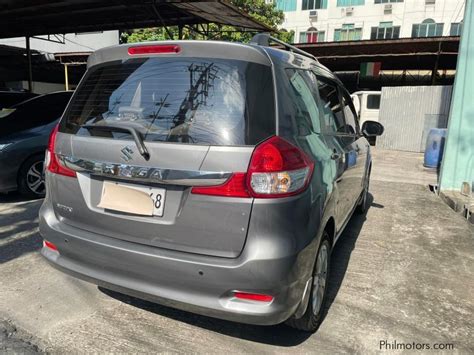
{"points": [[264, 39]]}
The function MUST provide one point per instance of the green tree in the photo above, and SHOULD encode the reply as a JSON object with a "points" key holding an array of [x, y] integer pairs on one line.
{"points": [[258, 9]]}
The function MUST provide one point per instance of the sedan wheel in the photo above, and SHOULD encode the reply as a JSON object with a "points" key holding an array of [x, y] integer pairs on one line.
{"points": [[31, 177], [35, 178]]}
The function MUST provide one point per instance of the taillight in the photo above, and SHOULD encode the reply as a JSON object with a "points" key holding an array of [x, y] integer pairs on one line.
{"points": [[155, 49], [52, 162], [233, 187], [277, 169], [253, 296]]}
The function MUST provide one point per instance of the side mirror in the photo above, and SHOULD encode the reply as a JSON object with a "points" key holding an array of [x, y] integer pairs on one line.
{"points": [[372, 129]]}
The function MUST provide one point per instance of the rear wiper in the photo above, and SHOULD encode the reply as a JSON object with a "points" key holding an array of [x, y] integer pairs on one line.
{"points": [[119, 128]]}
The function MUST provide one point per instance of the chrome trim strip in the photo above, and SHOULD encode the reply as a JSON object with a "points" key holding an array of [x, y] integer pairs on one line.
{"points": [[145, 174]]}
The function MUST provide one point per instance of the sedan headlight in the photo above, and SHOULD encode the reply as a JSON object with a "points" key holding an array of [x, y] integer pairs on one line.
{"points": [[3, 146]]}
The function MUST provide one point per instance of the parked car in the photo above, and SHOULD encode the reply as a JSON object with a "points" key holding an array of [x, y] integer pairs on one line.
{"points": [[10, 98], [209, 176], [367, 105], [24, 132]]}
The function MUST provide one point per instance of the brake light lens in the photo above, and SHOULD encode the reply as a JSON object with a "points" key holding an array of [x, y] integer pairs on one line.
{"points": [[253, 296], [49, 245], [233, 187], [155, 49], [277, 169], [52, 161]]}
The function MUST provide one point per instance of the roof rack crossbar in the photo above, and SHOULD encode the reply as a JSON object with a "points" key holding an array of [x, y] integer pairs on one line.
{"points": [[264, 39]]}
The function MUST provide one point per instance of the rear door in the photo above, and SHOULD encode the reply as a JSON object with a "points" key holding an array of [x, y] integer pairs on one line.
{"points": [[341, 140], [359, 148], [199, 118]]}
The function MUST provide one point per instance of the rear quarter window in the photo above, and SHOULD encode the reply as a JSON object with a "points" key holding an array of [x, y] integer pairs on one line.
{"points": [[298, 103], [186, 100]]}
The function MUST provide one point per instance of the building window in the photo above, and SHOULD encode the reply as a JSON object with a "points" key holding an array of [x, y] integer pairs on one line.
{"points": [[348, 32], [350, 2], [312, 35], [428, 28], [386, 30], [286, 5], [386, 1], [456, 29], [314, 4]]}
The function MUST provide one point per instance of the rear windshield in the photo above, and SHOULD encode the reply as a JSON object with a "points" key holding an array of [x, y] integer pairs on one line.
{"points": [[186, 100]]}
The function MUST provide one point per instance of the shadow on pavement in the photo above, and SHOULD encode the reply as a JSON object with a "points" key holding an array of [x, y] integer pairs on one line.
{"points": [[342, 251], [18, 227], [14, 197], [280, 335], [19, 247]]}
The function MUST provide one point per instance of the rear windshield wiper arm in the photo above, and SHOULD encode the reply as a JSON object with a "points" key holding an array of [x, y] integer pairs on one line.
{"points": [[119, 128]]}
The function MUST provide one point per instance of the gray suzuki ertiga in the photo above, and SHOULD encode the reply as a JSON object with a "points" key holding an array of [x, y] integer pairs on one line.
{"points": [[213, 177]]}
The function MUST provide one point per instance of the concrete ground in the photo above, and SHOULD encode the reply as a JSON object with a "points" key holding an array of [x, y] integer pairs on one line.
{"points": [[402, 273]]}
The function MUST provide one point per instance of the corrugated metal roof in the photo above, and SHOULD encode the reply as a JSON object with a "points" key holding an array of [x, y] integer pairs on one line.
{"points": [[32, 17], [396, 54]]}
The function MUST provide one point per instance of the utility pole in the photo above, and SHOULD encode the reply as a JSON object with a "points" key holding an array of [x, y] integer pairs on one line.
{"points": [[197, 95]]}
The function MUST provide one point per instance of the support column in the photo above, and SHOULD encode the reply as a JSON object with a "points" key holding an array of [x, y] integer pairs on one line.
{"points": [[30, 71], [458, 158], [436, 66], [66, 78]]}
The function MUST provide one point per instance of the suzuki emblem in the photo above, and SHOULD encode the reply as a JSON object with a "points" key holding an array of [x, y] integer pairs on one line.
{"points": [[127, 153]]}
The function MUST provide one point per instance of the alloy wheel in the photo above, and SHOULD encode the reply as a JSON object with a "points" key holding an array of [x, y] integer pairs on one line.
{"points": [[35, 178], [319, 279]]}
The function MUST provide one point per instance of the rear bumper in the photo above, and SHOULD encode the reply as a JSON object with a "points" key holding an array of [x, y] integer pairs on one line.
{"points": [[186, 281]]}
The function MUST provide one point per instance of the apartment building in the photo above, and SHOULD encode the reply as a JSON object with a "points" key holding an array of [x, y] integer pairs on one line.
{"points": [[348, 20]]}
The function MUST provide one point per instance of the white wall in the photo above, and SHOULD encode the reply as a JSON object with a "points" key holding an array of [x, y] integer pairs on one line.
{"points": [[74, 42], [404, 14]]}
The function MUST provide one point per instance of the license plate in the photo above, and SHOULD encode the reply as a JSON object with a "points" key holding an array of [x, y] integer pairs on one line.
{"points": [[157, 195]]}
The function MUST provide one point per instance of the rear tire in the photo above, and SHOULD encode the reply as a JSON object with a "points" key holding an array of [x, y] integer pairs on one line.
{"points": [[363, 204], [31, 177], [316, 310]]}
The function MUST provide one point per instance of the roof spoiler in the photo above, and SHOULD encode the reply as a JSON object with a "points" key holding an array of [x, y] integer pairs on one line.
{"points": [[264, 39]]}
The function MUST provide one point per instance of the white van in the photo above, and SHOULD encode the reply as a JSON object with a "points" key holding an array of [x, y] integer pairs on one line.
{"points": [[367, 105]]}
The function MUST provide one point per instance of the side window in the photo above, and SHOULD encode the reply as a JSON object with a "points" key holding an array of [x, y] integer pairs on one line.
{"points": [[373, 102], [351, 118], [306, 110], [333, 116]]}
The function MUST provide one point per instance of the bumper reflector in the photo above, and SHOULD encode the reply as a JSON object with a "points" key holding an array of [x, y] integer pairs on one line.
{"points": [[253, 296], [49, 245]]}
